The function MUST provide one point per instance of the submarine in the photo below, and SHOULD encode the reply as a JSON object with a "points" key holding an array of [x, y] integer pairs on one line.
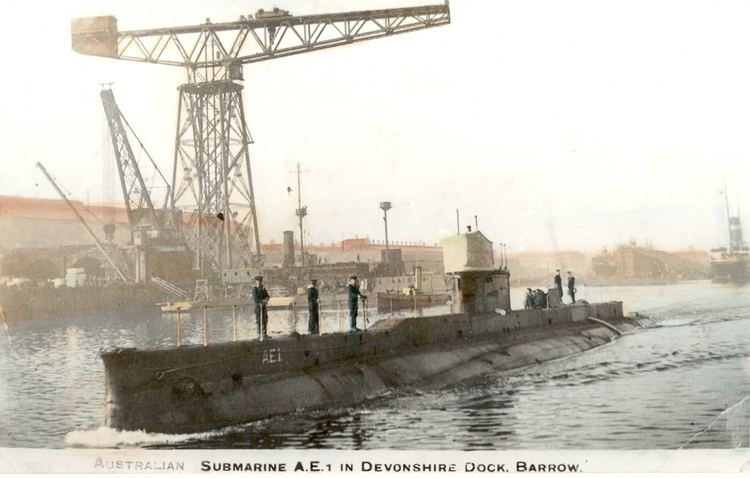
{"points": [[196, 388]]}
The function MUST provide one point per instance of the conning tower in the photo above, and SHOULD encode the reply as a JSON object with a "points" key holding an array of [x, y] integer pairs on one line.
{"points": [[478, 286]]}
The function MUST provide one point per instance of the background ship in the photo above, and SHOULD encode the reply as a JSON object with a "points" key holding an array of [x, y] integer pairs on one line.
{"points": [[731, 264]]}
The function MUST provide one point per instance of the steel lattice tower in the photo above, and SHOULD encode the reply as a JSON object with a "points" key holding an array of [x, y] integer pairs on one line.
{"points": [[212, 161]]}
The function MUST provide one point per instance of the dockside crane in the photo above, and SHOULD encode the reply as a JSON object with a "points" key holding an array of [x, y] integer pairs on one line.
{"points": [[136, 194], [211, 144], [120, 272], [156, 235]]}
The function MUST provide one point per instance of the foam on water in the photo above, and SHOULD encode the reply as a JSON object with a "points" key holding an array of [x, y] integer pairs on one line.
{"points": [[105, 437]]}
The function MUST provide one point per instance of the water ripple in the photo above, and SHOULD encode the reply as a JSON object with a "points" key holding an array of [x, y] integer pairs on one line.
{"points": [[675, 384]]}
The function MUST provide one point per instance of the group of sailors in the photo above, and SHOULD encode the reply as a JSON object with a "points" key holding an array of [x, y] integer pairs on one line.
{"points": [[538, 299], [261, 297], [535, 299]]}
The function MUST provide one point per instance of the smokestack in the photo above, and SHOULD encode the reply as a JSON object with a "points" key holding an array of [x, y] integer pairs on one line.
{"points": [[288, 249]]}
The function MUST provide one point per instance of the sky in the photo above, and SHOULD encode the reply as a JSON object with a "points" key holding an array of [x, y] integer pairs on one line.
{"points": [[560, 125]]}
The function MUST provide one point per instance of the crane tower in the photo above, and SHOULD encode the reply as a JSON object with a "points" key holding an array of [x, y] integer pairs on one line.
{"points": [[211, 165]]}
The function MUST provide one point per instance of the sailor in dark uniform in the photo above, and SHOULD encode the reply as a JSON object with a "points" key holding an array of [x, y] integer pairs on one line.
{"points": [[558, 283], [260, 297], [352, 290], [529, 302], [572, 287], [313, 306]]}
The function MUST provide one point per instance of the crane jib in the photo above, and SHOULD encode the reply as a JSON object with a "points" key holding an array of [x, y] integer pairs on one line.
{"points": [[248, 39]]}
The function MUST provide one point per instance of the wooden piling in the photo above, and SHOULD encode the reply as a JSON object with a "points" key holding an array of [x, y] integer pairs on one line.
{"points": [[205, 326], [179, 335], [234, 323]]}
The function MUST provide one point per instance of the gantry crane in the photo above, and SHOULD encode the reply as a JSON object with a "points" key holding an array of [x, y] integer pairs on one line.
{"points": [[211, 145]]}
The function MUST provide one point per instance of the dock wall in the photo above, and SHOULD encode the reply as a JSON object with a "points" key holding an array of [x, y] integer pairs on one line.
{"points": [[49, 303]]}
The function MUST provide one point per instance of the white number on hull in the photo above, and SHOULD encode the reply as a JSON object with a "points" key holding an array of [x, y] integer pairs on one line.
{"points": [[272, 356]]}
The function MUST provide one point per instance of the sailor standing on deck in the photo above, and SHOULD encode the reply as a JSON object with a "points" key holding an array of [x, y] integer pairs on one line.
{"points": [[572, 287], [558, 283], [260, 297], [352, 290], [313, 306], [528, 304]]}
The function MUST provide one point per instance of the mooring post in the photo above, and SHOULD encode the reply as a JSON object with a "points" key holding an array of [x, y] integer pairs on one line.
{"points": [[364, 310], [320, 317], [294, 317], [338, 313], [391, 299], [260, 326], [205, 326], [179, 337], [234, 323]]}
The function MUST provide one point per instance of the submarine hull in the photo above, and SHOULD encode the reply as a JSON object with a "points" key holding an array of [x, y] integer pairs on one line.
{"points": [[197, 388]]}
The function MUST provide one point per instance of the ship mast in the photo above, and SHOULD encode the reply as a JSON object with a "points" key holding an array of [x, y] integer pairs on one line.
{"points": [[729, 217], [739, 224]]}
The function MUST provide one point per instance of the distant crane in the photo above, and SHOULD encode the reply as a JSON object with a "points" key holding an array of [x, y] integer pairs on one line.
{"points": [[120, 272], [211, 144]]}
